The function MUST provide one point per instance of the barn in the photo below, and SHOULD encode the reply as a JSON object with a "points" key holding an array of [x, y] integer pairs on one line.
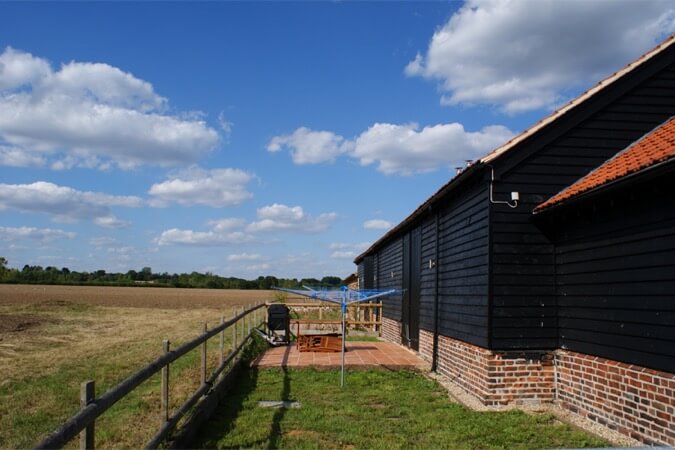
{"points": [[545, 271]]}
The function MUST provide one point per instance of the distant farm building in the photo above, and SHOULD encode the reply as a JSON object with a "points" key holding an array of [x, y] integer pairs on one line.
{"points": [[545, 271], [352, 281]]}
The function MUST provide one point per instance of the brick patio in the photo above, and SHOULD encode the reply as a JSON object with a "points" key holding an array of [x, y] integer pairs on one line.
{"points": [[359, 354]]}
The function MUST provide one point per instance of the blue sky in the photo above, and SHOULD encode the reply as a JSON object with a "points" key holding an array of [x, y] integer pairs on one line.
{"points": [[279, 138]]}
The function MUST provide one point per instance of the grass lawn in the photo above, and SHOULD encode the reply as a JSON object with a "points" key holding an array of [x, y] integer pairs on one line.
{"points": [[376, 409]]}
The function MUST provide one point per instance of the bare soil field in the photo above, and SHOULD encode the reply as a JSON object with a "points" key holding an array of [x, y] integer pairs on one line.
{"points": [[54, 337], [140, 297]]}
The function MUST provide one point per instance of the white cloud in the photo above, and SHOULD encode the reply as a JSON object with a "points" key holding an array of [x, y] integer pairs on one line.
{"points": [[231, 231], [311, 147], [347, 251], [345, 246], [63, 203], [122, 254], [16, 157], [19, 69], [258, 267], [343, 254], [110, 222], [91, 115], [244, 257], [279, 217], [223, 232], [230, 224], [407, 149], [37, 234], [176, 236], [226, 126], [196, 186], [103, 241], [376, 224], [525, 55]]}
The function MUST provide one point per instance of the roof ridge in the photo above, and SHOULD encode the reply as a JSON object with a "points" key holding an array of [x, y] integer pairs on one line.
{"points": [[579, 99]]}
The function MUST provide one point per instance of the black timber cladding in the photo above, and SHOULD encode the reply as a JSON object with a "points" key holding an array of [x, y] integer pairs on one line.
{"points": [[462, 266], [497, 284], [390, 275], [462, 258], [428, 273], [615, 272], [524, 311], [366, 272]]}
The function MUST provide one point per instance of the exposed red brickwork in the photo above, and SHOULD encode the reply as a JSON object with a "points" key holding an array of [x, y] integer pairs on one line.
{"points": [[497, 379], [391, 330], [465, 364], [633, 400], [653, 148], [426, 347], [521, 379]]}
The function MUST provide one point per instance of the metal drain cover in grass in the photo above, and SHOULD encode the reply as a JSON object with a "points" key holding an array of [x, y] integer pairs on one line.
{"points": [[278, 404]]}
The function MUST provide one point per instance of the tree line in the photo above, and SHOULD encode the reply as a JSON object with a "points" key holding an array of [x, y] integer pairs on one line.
{"points": [[146, 277]]}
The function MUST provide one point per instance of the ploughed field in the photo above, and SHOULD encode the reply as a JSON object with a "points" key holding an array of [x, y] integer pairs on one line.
{"points": [[54, 337], [134, 297]]}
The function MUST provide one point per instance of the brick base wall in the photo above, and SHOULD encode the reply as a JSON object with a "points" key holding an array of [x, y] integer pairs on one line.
{"points": [[497, 378], [391, 330], [426, 347], [633, 400]]}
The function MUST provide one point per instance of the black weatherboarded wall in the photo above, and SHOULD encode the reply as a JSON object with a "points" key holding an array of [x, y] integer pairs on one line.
{"points": [[524, 301], [615, 268], [492, 276], [462, 265], [389, 275]]}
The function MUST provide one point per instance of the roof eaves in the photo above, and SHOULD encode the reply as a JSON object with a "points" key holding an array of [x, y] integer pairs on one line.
{"points": [[606, 187], [559, 198]]}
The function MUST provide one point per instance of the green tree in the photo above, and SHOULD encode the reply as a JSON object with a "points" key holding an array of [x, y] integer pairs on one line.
{"points": [[146, 273], [331, 281], [3, 267]]}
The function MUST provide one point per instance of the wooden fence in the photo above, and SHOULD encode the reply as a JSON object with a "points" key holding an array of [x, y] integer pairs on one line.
{"points": [[358, 315], [83, 423]]}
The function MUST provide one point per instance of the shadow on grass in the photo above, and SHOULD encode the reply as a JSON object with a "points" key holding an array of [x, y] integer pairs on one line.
{"points": [[275, 430], [226, 414], [225, 417]]}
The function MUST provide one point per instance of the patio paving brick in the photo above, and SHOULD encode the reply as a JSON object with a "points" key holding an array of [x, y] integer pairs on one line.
{"points": [[359, 354]]}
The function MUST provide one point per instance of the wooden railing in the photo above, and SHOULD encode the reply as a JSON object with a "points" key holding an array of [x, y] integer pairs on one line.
{"points": [[83, 422], [359, 314]]}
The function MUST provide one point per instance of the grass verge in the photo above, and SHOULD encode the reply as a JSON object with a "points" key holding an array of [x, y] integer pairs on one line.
{"points": [[377, 409]]}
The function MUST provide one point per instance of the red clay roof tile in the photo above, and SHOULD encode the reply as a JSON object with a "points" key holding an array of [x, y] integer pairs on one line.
{"points": [[653, 148]]}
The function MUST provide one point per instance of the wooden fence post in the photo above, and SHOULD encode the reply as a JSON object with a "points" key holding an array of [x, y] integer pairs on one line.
{"points": [[165, 386], [221, 355], [87, 395], [243, 325], [234, 331], [203, 380]]}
